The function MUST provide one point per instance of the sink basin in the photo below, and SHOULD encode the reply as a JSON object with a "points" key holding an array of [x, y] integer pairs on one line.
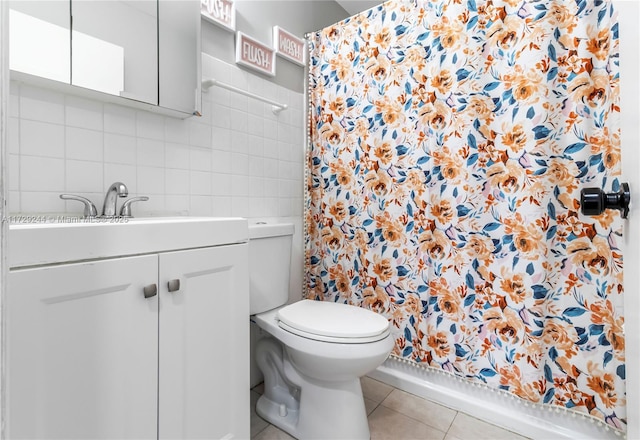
{"points": [[32, 244]]}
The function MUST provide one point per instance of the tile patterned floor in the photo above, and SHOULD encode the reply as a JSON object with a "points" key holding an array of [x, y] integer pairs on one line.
{"points": [[397, 415]]}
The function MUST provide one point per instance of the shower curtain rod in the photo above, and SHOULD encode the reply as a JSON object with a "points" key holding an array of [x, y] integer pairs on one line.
{"points": [[276, 107]]}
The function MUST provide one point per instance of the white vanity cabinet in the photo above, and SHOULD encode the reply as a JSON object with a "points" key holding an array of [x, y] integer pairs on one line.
{"points": [[204, 341], [90, 356], [82, 351]]}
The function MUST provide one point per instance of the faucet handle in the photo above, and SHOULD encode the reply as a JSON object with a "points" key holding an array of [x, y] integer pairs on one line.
{"points": [[90, 210], [125, 210]]}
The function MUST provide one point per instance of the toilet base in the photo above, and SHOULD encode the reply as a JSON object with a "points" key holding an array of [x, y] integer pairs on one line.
{"points": [[307, 408], [324, 413]]}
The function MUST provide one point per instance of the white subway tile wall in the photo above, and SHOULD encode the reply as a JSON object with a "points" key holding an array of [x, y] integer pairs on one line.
{"points": [[238, 159]]}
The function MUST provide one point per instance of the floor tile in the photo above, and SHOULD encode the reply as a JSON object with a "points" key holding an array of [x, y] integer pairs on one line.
{"points": [[374, 390], [424, 411], [370, 405], [467, 427], [272, 433], [384, 423], [257, 423]]}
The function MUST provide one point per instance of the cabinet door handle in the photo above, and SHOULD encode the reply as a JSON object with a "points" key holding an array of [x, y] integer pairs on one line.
{"points": [[174, 285], [150, 290]]}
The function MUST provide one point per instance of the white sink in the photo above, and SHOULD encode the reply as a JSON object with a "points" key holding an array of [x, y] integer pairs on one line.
{"points": [[32, 244]]}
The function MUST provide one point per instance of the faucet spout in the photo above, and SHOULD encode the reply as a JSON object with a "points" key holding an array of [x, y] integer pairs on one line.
{"points": [[117, 189]]}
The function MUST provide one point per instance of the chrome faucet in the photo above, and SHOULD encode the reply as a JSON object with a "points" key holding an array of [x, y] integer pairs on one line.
{"points": [[117, 189]]}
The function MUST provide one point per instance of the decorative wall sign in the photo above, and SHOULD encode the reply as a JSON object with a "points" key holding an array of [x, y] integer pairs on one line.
{"points": [[220, 12], [255, 55], [289, 46]]}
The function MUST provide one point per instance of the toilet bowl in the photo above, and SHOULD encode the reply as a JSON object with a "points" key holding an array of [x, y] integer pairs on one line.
{"points": [[317, 350]]}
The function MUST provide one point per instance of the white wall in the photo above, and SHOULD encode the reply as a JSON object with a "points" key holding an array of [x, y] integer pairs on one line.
{"points": [[629, 17]]}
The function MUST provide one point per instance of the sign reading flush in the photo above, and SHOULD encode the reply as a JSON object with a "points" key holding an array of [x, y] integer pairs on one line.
{"points": [[220, 12], [255, 55], [289, 46]]}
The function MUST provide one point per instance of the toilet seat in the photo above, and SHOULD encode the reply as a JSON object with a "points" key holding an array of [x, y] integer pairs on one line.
{"points": [[332, 322]]}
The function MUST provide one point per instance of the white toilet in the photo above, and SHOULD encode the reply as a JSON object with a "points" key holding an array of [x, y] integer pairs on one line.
{"points": [[318, 351]]}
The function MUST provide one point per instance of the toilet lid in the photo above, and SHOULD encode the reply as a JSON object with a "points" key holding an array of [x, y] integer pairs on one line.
{"points": [[333, 322]]}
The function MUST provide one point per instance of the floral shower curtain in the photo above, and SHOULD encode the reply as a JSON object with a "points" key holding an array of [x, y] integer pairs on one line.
{"points": [[449, 141]]}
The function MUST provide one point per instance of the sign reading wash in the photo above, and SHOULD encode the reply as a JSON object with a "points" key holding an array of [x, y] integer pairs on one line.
{"points": [[289, 46], [255, 55], [220, 12]]}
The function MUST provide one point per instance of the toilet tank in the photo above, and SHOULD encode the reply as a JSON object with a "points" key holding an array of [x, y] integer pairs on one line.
{"points": [[269, 265]]}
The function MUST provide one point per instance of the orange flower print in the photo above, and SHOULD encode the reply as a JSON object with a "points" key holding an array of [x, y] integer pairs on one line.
{"points": [[383, 269], [332, 237], [361, 129], [392, 112], [379, 68], [528, 242], [480, 247], [343, 282], [332, 33], [599, 43], [415, 57], [344, 175], [436, 115], [415, 180], [338, 210], [563, 172], [557, 333], [592, 255], [506, 33], [511, 376], [383, 38], [342, 67], [590, 89], [332, 133], [337, 106], [450, 33], [442, 80], [516, 138], [480, 107], [439, 344], [563, 15], [449, 301], [434, 243], [451, 166], [506, 324], [526, 86], [361, 239], [383, 152], [607, 144], [603, 384], [603, 314], [378, 182], [391, 230], [442, 210], [507, 177], [376, 299], [514, 286]]}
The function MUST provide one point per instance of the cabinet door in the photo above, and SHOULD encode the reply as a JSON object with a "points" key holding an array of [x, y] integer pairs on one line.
{"points": [[204, 344], [82, 344], [114, 47], [179, 55], [39, 38]]}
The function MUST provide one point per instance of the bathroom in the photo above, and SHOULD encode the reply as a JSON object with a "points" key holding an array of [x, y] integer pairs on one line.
{"points": [[240, 159]]}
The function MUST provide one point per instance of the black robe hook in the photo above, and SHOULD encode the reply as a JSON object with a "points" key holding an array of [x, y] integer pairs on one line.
{"points": [[593, 201]]}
